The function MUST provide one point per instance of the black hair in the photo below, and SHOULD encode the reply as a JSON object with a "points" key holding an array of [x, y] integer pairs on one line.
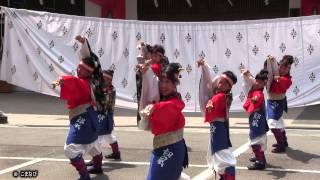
{"points": [[95, 60], [165, 61], [231, 75], [89, 61], [171, 71], [158, 49], [265, 65], [286, 60], [92, 54], [109, 72], [149, 48], [262, 75]]}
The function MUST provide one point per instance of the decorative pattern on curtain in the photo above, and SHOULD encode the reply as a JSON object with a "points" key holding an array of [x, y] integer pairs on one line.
{"points": [[39, 46]]}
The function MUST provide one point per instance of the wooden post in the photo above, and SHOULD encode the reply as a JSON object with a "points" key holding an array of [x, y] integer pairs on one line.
{"points": [[5, 87]]}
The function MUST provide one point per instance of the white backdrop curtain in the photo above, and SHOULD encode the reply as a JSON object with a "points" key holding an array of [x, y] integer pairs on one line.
{"points": [[39, 46]]}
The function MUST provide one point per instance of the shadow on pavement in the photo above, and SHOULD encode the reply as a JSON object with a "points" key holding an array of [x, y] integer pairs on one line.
{"points": [[277, 174], [107, 167], [101, 177], [301, 156]]}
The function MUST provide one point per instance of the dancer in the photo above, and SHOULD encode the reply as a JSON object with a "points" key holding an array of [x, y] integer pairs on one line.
{"points": [[108, 122], [82, 136], [279, 82], [159, 60], [144, 55], [96, 78], [255, 107], [215, 100], [166, 122], [151, 69]]}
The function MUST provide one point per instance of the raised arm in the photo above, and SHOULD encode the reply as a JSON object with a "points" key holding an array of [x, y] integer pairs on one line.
{"points": [[150, 88], [84, 48], [273, 69], [248, 81], [206, 85]]}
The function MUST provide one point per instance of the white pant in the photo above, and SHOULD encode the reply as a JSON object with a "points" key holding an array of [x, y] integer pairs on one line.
{"points": [[74, 150], [220, 160], [260, 140], [276, 124], [110, 138]]}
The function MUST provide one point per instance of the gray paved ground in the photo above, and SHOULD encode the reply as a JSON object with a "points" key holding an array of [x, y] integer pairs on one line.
{"points": [[302, 157], [42, 127]]}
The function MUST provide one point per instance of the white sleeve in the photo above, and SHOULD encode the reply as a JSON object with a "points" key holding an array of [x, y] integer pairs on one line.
{"points": [[207, 86], [248, 81], [273, 70], [207, 71], [150, 89], [144, 123], [84, 50]]}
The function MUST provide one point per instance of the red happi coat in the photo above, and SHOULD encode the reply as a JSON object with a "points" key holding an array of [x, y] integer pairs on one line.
{"points": [[156, 68], [167, 116], [250, 106], [281, 85], [76, 91], [219, 109]]}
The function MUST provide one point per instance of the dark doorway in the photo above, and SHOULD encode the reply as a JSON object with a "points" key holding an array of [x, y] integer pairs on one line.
{"points": [[72, 7], [212, 10]]}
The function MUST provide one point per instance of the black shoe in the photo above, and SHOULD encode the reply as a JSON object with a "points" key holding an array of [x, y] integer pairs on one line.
{"points": [[114, 156], [274, 145], [253, 159], [279, 149], [90, 163], [257, 166], [94, 170], [84, 178], [286, 144]]}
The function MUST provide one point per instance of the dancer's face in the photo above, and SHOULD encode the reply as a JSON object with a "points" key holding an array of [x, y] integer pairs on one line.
{"points": [[156, 58], [107, 81], [166, 86], [284, 69], [223, 85], [259, 84], [83, 72]]}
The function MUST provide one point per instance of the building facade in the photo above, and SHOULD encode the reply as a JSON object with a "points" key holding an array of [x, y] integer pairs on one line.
{"points": [[167, 10]]}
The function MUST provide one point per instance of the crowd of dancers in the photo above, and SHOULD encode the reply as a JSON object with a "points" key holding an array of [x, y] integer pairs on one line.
{"points": [[90, 98]]}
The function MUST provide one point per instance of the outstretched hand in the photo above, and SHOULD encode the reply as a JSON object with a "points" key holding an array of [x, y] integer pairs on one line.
{"points": [[140, 45], [209, 106], [200, 62], [254, 99], [56, 83], [276, 78], [144, 67], [245, 72], [147, 111], [80, 39], [271, 58]]}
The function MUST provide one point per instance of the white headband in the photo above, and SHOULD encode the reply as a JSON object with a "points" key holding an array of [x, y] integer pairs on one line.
{"points": [[107, 75], [228, 79], [86, 66]]}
